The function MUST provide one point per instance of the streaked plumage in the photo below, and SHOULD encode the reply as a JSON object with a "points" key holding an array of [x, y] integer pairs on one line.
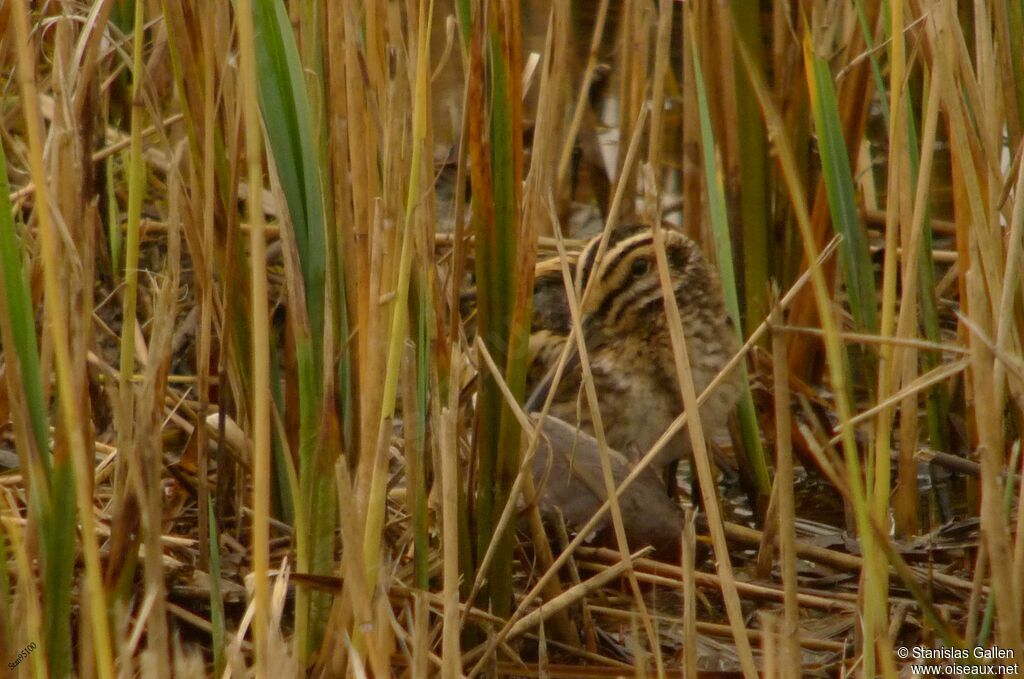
{"points": [[627, 338]]}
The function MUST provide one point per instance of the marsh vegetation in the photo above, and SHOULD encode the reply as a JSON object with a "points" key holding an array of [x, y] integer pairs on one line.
{"points": [[250, 425]]}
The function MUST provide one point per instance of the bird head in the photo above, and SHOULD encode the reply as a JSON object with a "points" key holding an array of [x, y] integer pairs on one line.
{"points": [[627, 295]]}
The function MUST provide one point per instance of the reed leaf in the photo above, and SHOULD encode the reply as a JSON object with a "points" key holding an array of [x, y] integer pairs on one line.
{"points": [[73, 455], [288, 123], [515, 266], [854, 253], [421, 538], [876, 68], [284, 104], [753, 449], [376, 509], [1010, 20], [937, 400], [259, 313], [24, 348], [287, 489], [136, 191], [217, 634], [493, 283], [503, 319], [114, 235], [48, 479], [836, 356], [755, 206]]}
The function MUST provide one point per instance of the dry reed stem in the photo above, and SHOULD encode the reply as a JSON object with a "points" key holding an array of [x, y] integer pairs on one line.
{"points": [[579, 109], [451, 655], [572, 344], [833, 348], [536, 196], [663, 42], [70, 415], [567, 599], [1006, 333], [835, 559], [661, 574], [29, 593], [935, 376], [261, 337], [358, 591], [909, 342], [688, 584], [876, 582], [205, 188], [904, 359], [790, 632], [770, 653], [523, 485], [136, 187], [985, 271], [702, 460], [376, 507], [994, 528]]}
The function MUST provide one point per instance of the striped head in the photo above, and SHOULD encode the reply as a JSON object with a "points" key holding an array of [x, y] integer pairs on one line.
{"points": [[626, 332], [627, 296]]}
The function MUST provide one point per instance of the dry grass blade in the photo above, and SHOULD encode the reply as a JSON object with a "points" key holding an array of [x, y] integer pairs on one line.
{"points": [[261, 338], [787, 511], [700, 453], [70, 414], [451, 657]]}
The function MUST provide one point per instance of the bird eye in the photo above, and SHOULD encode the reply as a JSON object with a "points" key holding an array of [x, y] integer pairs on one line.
{"points": [[640, 267]]}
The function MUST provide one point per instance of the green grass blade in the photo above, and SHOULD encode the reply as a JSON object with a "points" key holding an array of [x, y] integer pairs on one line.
{"points": [[1015, 27], [114, 234], [46, 480], [421, 539], [376, 509], [505, 140], [755, 203], [58, 536], [854, 253], [216, 602], [497, 252], [749, 431], [937, 400], [937, 397], [287, 490], [463, 12], [876, 69], [285, 108], [284, 103], [19, 307]]}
